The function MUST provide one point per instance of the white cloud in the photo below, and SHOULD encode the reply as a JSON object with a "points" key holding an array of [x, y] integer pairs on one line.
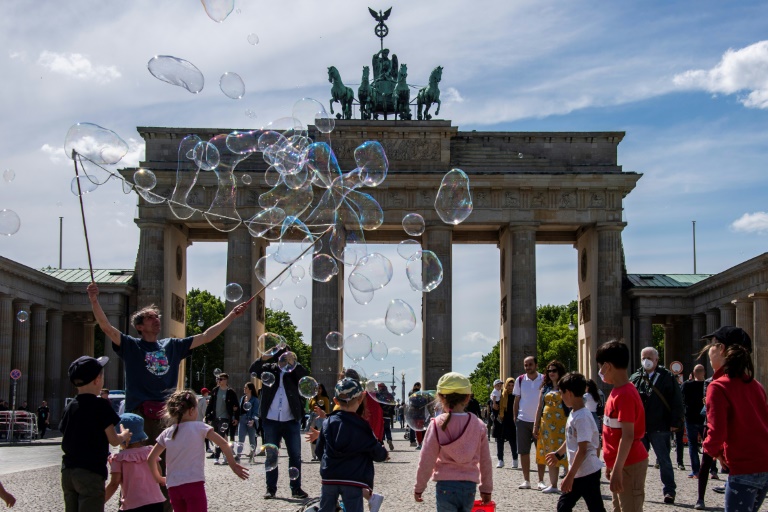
{"points": [[365, 324], [452, 95], [55, 154], [132, 158], [22, 55], [751, 223], [477, 337], [473, 355], [77, 66], [740, 70], [396, 351]]}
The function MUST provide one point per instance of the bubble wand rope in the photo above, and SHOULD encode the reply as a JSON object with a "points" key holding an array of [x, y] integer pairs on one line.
{"points": [[82, 213]]}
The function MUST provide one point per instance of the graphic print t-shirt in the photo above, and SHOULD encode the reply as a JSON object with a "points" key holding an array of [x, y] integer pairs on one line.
{"points": [[151, 369]]}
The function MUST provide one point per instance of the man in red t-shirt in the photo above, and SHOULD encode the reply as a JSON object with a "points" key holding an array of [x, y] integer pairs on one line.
{"points": [[623, 428]]}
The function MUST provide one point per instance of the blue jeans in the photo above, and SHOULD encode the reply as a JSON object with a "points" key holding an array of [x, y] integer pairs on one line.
{"points": [[290, 431], [242, 430], [745, 493], [694, 431], [662, 444], [351, 497], [455, 495]]}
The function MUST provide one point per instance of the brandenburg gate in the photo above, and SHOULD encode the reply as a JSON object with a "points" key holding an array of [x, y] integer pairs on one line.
{"points": [[527, 188]]}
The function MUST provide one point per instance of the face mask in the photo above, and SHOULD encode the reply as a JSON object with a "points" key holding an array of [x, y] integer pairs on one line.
{"points": [[647, 364], [602, 377]]}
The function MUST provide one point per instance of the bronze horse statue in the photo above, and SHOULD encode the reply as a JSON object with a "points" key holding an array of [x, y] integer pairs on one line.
{"points": [[430, 94], [341, 93], [365, 94], [401, 96]]}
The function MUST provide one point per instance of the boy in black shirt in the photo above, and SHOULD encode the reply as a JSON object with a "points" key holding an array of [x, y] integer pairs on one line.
{"points": [[88, 428]]}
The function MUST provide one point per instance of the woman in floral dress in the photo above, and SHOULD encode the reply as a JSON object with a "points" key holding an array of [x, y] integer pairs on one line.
{"points": [[549, 428]]}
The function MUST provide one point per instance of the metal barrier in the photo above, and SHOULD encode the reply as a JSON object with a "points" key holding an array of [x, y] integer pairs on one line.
{"points": [[22, 425]]}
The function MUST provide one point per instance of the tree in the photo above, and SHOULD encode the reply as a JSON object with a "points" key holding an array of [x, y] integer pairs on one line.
{"points": [[485, 373], [202, 305], [657, 335], [554, 339], [280, 323]]}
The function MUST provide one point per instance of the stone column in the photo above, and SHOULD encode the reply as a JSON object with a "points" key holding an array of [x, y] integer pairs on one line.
{"points": [[518, 297], [20, 356], [327, 316], [53, 385], [760, 336], [699, 329], [609, 280], [89, 337], [237, 342], [6, 343], [727, 314], [37, 357], [437, 341], [115, 368], [150, 264], [669, 342], [744, 315], [713, 323], [644, 331]]}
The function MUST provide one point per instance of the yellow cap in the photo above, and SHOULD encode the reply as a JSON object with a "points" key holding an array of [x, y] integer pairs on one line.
{"points": [[454, 383]]}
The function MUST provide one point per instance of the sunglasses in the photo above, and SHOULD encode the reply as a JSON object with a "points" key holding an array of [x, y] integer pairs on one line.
{"points": [[552, 370]]}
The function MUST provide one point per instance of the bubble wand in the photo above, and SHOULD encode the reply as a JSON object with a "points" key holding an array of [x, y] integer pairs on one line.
{"points": [[82, 213]]}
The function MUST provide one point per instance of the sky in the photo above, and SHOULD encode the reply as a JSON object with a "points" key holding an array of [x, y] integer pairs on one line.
{"points": [[687, 81]]}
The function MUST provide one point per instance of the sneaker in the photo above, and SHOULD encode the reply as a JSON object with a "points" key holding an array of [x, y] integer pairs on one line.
{"points": [[418, 446], [525, 485], [237, 459], [217, 462], [714, 476], [298, 493], [692, 475], [719, 490], [656, 466], [413, 443], [500, 463], [550, 489], [514, 463], [374, 504], [669, 499], [209, 450], [212, 456], [541, 486], [681, 467], [699, 505], [269, 495], [391, 445]]}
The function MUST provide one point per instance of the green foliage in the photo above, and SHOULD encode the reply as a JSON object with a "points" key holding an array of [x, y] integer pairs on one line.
{"points": [[554, 340], [657, 335], [485, 373], [201, 304], [280, 323]]}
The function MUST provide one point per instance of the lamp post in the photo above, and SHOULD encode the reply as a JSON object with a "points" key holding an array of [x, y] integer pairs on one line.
{"points": [[402, 382]]}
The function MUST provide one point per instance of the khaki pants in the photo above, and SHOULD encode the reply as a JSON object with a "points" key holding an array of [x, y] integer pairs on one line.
{"points": [[633, 497], [83, 490]]}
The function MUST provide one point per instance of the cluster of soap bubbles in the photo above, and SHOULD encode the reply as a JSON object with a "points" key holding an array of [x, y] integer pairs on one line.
{"points": [[9, 219]]}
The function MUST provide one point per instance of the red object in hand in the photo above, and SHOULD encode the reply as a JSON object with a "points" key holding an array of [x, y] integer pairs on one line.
{"points": [[487, 507]]}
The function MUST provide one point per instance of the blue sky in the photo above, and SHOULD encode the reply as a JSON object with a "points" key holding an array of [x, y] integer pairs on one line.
{"points": [[687, 81]]}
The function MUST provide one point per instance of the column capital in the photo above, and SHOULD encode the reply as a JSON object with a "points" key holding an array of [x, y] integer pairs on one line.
{"points": [[727, 307], [610, 226], [53, 313], [698, 316], [149, 223], [758, 295], [437, 226], [741, 302], [523, 226]]}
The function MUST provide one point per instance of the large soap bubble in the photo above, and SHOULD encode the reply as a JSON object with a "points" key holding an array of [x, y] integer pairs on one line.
{"points": [[307, 387], [358, 346], [323, 268], [294, 473], [218, 10], [144, 178], [98, 144], [22, 316], [371, 273], [271, 453], [381, 381], [297, 273], [400, 318], [287, 362], [419, 409], [300, 302], [232, 85], [379, 351], [312, 113], [453, 202], [10, 223], [408, 248], [413, 224], [176, 71], [424, 271], [334, 340], [372, 162], [81, 185], [268, 379], [361, 297], [276, 304], [270, 343], [9, 175], [233, 292]]}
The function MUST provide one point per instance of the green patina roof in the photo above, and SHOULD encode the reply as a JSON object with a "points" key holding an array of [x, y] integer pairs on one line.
{"points": [[83, 275], [665, 280]]}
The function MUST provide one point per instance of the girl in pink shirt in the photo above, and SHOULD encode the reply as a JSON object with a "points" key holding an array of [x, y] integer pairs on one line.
{"points": [[129, 470], [455, 452], [185, 457]]}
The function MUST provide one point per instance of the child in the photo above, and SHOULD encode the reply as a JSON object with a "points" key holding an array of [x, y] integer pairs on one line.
{"points": [[130, 471], [87, 426], [7, 497], [347, 449], [455, 452], [581, 442], [623, 428], [185, 460]]}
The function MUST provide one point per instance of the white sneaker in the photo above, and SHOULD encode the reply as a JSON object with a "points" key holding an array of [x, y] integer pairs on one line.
{"points": [[217, 462], [550, 489], [541, 486], [500, 464], [514, 463], [525, 485], [374, 504]]}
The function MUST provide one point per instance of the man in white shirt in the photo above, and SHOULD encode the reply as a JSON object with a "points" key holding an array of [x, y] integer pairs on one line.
{"points": [[526, 392]]}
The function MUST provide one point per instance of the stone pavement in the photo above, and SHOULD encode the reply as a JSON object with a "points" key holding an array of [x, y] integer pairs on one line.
{"points": [[34, 480]]}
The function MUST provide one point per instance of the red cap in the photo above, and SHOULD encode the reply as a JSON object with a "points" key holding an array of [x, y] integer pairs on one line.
{"points": [[204, 391]]}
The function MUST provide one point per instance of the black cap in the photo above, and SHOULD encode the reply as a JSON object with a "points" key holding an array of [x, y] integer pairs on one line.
{"points": [[729, 335], [85, 369]]}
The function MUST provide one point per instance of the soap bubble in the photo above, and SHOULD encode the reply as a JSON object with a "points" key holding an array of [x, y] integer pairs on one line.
{"points": [[254, 375], [379, 351], [268, 275], [323, 268], [246, 179], [361, 298], [300, 301], [413, 224], [223, 427], [217, 372], [276, 304], [233, 292], [22, 316], [9, 222], [400, 318], [287, 362], [307, 387], [145, 179], [297, 273], [360, 372], [334, 340], [294, 473], [358, 346], [246, 406], [270, 343], [97, 144], [312, 113], [9, 175], [519, 155], [419, 409], [380, 388], [176, 71], [218, 10], [408, 248], [424, 271], [268, 379], [453, 202], [81, 185], [253, 38], [371, 273], [271, 453], [372, 162], [232, 85]]}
